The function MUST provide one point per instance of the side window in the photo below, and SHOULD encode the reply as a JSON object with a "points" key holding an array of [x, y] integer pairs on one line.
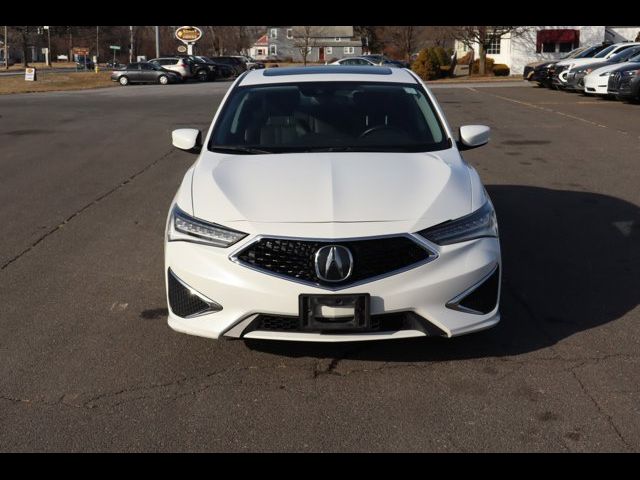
{"points": [[146, 66]]}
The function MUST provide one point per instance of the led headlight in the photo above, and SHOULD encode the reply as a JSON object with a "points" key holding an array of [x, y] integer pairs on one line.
{"points": [[187, 228], [481, 223]]}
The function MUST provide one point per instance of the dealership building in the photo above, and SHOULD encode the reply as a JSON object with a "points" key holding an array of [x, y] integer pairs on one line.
{"points": [[542, 43]]}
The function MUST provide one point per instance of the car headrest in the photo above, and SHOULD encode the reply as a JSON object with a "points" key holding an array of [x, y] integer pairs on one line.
{"points": [[282, 101]]}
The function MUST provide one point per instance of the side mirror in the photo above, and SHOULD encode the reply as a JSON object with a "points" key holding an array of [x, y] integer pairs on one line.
{"points": [[189, 139], [472, 136]]}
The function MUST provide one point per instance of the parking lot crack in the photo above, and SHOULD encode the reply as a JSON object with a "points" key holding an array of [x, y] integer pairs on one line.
{"points": [[93, 202], [608, 417]]}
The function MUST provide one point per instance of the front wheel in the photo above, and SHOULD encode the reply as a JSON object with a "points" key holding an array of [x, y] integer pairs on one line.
{"points": [[163, 80], [124, 81], [202, 75]]}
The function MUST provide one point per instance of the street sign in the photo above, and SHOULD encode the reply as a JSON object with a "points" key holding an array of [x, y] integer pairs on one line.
{"points": [[83, 51], [114, 47], [182, 49], [30, 74], [188, 34]]}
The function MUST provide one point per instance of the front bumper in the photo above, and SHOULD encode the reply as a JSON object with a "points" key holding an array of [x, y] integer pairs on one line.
{"points": [[244, 293], [629, 89], [596, 84]]}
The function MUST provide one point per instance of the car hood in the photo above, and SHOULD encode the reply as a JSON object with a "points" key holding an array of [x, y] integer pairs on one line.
{"points": [[609, 67], [421, 188], [536, 64], [593, 65], [575, 62]]}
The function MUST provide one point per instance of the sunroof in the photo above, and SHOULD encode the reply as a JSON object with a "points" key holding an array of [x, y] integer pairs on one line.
{"points": [[331, 69]]}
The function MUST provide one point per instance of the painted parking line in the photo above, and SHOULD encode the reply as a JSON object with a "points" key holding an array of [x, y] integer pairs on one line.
{"points": [[550, 110]]}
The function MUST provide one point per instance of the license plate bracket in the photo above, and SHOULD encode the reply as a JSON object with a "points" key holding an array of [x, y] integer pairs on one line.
{"points": [[311, 307]]}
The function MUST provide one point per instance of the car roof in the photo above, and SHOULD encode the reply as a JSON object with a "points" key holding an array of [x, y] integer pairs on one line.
{"points": [[327, 73]]}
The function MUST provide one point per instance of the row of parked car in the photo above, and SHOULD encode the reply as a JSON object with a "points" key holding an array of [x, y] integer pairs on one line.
{"points": [[174, 69], [610, 70], [378, 60]]}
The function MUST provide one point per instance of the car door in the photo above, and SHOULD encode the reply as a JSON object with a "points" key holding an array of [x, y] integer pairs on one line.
{"points": [[148, 74], [133, 72]]}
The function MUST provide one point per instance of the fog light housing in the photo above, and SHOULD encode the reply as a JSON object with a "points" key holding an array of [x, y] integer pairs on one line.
{"points": [[185, 302], [480, 299]]}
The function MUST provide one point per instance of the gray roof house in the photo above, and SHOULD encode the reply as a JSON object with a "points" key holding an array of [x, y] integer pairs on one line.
{"points": [[323, 43]]}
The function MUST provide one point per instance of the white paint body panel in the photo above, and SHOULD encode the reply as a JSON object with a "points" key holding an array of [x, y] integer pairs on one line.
{"points": [[331, 196], [598, 83]]}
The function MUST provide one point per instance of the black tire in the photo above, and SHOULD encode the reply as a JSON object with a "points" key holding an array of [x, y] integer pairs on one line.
{"points": [[163, 80], [202, 75], [123, 80]]}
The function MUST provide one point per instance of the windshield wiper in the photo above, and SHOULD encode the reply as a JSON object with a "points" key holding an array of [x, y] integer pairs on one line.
{"points": [[242, 150]]}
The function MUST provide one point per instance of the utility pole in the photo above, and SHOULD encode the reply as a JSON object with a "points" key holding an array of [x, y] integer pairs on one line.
{"points": [[48, 29], [131, 46], [97, 45], [157, 42], [6, 50]]}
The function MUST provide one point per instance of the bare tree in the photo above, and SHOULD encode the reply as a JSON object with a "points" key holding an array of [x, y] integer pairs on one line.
{"points": [[400, 41], [483, 36], [304, 39], [25, 36]]}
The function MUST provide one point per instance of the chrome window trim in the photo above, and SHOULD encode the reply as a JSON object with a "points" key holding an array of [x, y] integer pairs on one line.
{"points": [[432, 249], [454, 303], [214, 307]]}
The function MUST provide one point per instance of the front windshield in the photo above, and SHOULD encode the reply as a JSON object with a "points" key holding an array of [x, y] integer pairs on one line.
{"points": [[587, 53], [605, 52], [328, 116], [624, 55], [574, 53]]}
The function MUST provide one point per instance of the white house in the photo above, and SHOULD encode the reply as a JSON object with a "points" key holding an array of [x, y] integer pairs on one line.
{"points": [[541, 43], [260, 49]]}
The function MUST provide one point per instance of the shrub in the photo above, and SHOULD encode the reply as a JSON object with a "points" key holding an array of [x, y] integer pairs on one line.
{"points": [[501, 70], [429, 63], [488, 65]]}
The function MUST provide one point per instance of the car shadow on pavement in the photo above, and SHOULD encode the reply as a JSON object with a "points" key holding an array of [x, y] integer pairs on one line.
{"points": [[571, 262]]}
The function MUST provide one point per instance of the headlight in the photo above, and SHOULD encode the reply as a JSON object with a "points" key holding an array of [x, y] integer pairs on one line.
{"points": [[481, 223], [187, 228], [632, 73]]}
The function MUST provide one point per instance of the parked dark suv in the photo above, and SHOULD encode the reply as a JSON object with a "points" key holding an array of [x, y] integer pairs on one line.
{"points": [[145, 72], [239, 66], [203, 69]]}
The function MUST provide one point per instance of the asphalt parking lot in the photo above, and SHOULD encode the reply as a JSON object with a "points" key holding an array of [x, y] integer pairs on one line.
{"points": [[89, 364]]}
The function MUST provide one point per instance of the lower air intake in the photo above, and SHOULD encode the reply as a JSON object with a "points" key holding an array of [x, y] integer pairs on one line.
{"points": [[484, 298], [184, 302]]}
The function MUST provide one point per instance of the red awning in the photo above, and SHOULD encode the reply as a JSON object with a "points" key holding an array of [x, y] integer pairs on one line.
{"points": [[557, 36]]}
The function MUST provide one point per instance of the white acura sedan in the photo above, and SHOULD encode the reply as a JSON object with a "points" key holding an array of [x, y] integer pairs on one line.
{"points": [[331, 204]]}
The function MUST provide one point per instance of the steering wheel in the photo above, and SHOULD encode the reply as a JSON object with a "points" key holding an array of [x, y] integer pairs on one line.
{"points": [[379, 128]]}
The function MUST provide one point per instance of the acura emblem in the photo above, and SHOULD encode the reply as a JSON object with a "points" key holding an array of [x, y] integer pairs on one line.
{"points": [[334, 263]]}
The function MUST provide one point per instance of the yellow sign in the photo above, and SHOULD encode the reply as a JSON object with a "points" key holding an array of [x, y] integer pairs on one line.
{"points": [[188, 34], [30, 74]]}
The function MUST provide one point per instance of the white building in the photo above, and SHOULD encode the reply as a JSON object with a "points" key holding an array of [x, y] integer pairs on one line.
{"points": [[541, 43], [260, 49]]}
